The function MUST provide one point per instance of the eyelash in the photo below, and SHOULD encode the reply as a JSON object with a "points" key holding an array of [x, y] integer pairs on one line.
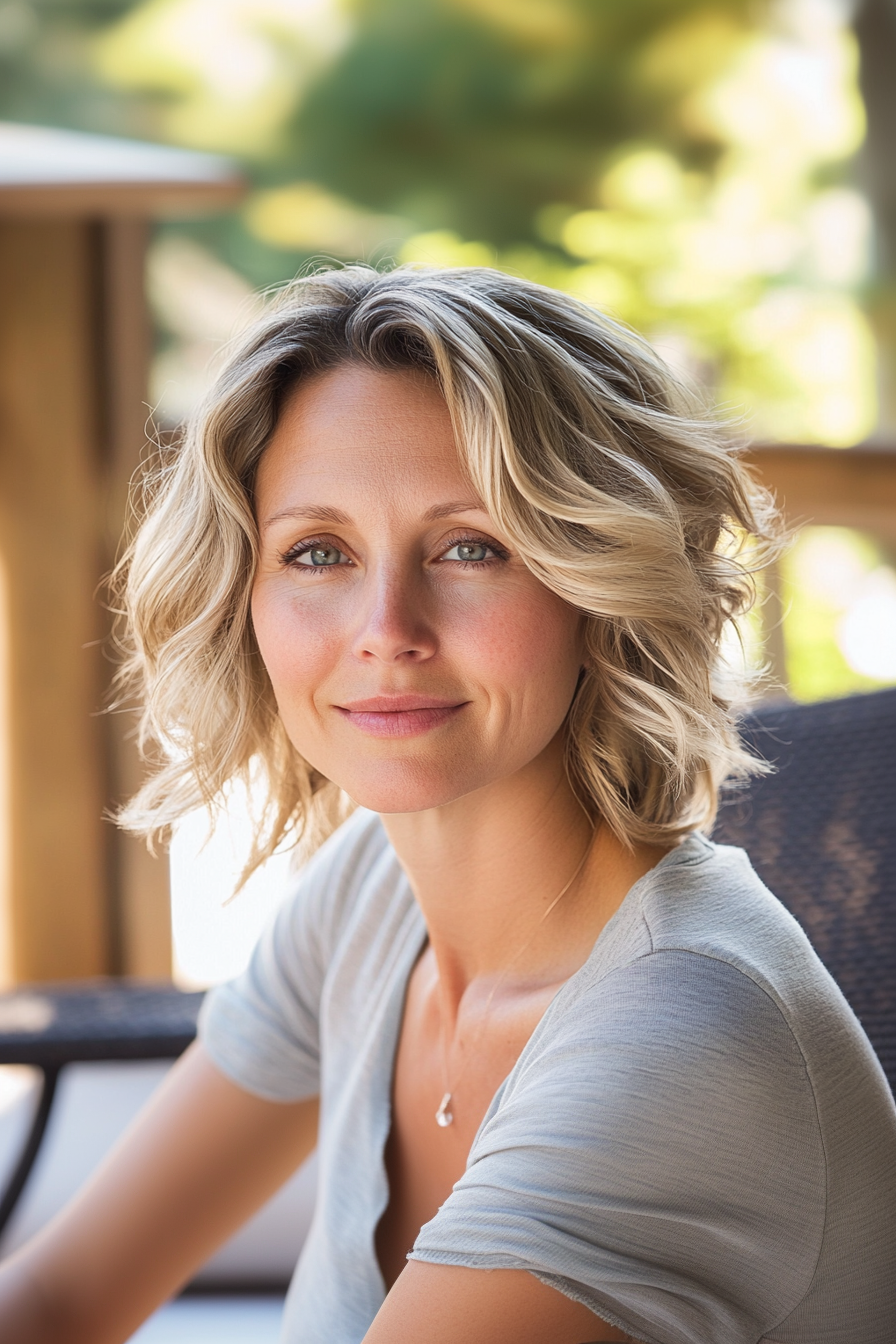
{"points": [[462, 539], [301, 548], [500, 553]]}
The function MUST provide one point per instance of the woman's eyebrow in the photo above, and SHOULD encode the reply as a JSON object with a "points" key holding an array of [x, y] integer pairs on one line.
{"points": [[455, 506], [325, 513], [319, 513]]}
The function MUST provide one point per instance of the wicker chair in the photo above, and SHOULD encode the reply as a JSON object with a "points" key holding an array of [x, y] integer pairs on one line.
{"points": [[821, 833]]}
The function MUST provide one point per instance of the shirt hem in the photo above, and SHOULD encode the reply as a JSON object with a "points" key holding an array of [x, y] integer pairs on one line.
{"points": [[238, 1076], [561, 1284]]}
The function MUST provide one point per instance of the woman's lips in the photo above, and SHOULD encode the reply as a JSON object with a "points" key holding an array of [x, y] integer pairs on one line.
{"points": [[399, 715]]}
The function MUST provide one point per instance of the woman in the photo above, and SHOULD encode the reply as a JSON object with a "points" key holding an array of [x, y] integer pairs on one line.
{"points": [[456, 548]]}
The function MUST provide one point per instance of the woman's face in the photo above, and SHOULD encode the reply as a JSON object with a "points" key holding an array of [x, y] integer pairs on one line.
{"points": [[413, 655]]}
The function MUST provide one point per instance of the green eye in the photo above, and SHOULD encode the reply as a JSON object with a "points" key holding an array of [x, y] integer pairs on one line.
{"points": [[473, 552], [319, 556]]}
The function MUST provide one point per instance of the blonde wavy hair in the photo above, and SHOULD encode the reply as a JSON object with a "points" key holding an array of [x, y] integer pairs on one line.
{"points": [[622, 495]]}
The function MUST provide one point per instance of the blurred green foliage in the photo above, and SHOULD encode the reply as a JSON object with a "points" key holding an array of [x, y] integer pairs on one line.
{"points": [[473, 116], [680, 163], [685, 164], [47, 68]]}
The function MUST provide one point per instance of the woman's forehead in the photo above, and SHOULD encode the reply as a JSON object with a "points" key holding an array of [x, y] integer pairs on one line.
{"points": [[353, 409], [358, 400], [353, 431]]}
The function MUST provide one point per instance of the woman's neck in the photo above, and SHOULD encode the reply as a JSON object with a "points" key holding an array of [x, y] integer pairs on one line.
{"points": [[486, 867]]}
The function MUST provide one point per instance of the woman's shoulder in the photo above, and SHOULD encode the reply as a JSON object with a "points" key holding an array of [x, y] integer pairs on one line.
{"points": [[678, 987], [673, 1026], [698, 1093], [703, 977], [353, 870], [263, 1028], [661, 1118], [707, 903]]}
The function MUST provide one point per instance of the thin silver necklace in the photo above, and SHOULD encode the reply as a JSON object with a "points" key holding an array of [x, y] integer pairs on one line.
{"points": [[444, 1114]]}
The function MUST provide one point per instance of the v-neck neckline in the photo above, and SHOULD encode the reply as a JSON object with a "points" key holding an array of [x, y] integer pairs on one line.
{"points": [[683, 852]]}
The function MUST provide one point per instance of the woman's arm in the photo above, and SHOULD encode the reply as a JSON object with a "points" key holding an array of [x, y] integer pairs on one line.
{"points": [[198, 1161], [447, 1304]]}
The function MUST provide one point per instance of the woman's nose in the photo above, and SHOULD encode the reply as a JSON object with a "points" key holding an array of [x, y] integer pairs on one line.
{"points": [[394, 625]]}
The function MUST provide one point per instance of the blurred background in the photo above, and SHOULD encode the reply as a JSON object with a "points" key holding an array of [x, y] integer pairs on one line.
{"points": [[717, 173]]}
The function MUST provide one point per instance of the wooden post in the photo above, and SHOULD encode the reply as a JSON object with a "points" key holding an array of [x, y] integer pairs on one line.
{"points": [[50, 474], [77, 898], [141, 915]]}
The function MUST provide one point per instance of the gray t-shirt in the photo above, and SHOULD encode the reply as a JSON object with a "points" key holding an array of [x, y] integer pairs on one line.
{"points": [[697, 1141]]}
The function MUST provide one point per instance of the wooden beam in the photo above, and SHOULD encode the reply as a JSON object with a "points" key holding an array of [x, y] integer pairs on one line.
{"points": [[55, 872], [47, 171], [114, 200], [843, 487]]}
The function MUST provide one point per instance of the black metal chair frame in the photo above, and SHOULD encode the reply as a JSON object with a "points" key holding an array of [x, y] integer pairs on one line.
{"points": [[89, 1021]]}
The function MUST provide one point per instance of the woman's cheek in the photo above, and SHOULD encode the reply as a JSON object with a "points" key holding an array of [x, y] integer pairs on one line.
{"points": [[528, 634], [296, 639]]}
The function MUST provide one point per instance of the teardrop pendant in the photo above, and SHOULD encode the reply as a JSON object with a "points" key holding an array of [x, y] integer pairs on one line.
{"points": [[444, 1117]]}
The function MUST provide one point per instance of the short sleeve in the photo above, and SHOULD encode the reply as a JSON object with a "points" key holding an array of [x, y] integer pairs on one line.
{"points": [[262, 1030], [656, 1155]]}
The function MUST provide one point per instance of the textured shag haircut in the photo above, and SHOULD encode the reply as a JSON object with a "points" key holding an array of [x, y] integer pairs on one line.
{"points": [[621, 494]]}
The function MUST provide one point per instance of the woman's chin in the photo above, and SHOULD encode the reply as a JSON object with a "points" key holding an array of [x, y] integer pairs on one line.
{"points": [[396, 792]]}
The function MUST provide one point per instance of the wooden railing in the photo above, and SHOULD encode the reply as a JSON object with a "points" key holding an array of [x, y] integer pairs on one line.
{"points": [[845, 487]]}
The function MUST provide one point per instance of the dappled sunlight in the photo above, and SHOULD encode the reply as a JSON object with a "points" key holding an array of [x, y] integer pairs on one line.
{"points": [[752, 264], [793, 93], [442, 247], [305, 217], [867, 632], [233, 68], [840, 597], [820, 357], [838, 228]]}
